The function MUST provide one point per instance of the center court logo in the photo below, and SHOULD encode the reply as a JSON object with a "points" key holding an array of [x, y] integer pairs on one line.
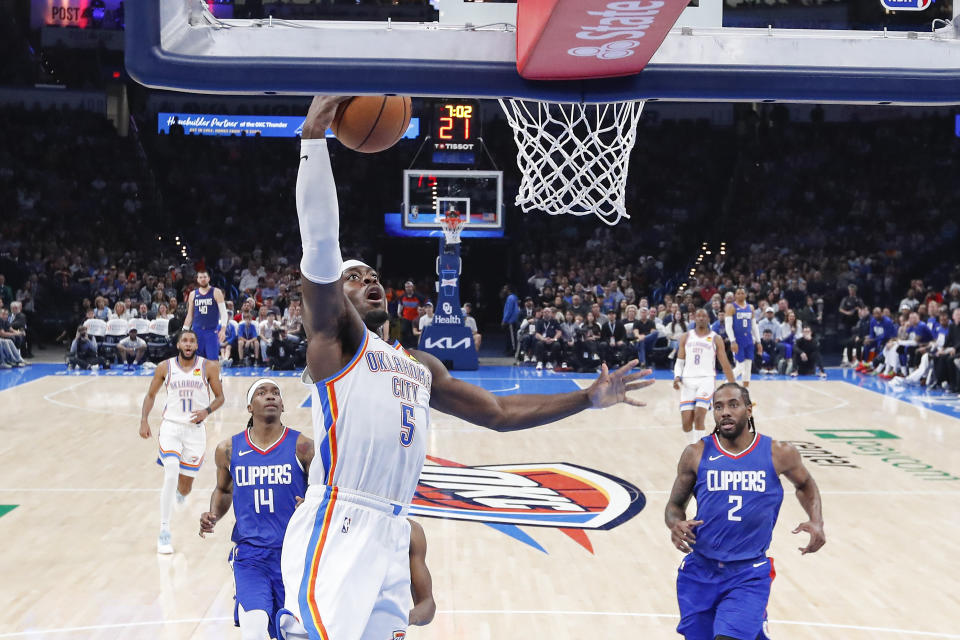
{"points": [[560, 495]]}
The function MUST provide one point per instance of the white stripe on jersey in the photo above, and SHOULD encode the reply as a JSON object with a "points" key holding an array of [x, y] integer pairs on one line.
{"points": [[370, 422], [701, 355], [187, 391]]}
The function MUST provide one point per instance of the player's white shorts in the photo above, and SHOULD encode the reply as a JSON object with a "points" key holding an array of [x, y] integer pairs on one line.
{"points": [[696, 393], [346, 567], [186, 442]]}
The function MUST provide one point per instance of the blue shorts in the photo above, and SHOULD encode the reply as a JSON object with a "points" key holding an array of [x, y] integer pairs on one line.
{"points": [[256, 572], [723, 598], [745, 352], [208, 344]]}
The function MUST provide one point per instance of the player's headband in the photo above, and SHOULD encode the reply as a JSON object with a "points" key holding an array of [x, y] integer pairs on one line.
{"points": [[260, 383], [349, 264]]}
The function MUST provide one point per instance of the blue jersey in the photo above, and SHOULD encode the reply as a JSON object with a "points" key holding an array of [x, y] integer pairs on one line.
{"points": [[742, 331], [738, 499], [265, 486], [206, 313]]}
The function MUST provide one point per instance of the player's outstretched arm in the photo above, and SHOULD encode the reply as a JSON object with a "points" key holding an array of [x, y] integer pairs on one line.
{"points": [[787, 460], [421, 584], [724, 362], [523, 411], [222, 496], [675, 515], [333, 326], [159, 375]]}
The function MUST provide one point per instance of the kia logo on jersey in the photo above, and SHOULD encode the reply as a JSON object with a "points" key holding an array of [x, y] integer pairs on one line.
{"points": [[561, 495]]}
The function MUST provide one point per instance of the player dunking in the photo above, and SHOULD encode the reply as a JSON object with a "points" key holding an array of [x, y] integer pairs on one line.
{"points": [[262, 472], [742, 331], [723, 584], [207, 317], [182, 437], [695, 373], [345, 557]]}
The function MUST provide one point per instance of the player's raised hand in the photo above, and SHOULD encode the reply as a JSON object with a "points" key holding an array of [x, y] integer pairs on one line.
{"points": [[817, 537], [144, 429], [207, 521], [682, 536], [320, 115], [610, 388]]}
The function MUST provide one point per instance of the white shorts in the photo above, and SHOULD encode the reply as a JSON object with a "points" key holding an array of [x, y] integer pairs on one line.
{"points": [[346, 567], [696, 393], [186, 442]]}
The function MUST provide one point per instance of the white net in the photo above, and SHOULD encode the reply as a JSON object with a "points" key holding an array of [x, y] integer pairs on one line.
{"points": [[452, 224], [574, 157]]}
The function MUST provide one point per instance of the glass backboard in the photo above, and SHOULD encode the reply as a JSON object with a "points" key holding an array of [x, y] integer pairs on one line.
{"points": [[428, 194]]}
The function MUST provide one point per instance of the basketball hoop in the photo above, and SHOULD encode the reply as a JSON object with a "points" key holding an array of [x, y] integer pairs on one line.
{"points": [[573, 156], [452, 224]]}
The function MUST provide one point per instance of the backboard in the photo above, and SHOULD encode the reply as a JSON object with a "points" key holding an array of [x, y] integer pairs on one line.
{"points": [[470, 51], [429, 193]]}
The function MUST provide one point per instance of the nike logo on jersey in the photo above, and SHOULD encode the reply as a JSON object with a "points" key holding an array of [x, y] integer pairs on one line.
{"points": [[711, 458], [243, 453], [759, 564], [304, 157]]}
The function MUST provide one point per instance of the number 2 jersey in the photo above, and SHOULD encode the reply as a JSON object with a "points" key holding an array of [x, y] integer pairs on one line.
{"points": [[370, 422], [738, 500], [266, 483]]}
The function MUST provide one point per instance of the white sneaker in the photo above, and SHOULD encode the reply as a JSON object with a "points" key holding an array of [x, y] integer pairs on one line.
{"points": [[164, 545], [527, 359], [539, 366], [549, 366]]}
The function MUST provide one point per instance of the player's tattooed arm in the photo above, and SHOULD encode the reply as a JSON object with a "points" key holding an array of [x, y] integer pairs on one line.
{"points": [[787, 460], [222, 496], [675, 515]]}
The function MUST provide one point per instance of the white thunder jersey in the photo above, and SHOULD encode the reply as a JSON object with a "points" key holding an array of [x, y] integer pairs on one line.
{"points": [[701, 355], [187, 391], [370, 422]]}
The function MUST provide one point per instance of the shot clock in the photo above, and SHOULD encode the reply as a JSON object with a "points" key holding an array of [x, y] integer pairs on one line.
{"points": [[456, 125]]}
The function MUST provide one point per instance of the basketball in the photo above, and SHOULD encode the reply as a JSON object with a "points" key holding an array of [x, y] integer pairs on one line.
{"points": [[369, 124]]}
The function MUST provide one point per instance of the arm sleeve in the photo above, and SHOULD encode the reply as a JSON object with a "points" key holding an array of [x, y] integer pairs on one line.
{"points": [[755, 330], [318, 213], [224, 318], [728, 325]]}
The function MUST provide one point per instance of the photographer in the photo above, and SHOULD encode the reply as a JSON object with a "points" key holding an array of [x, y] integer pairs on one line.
{"points": [[83, 351], [281, 350], [806, 355]]}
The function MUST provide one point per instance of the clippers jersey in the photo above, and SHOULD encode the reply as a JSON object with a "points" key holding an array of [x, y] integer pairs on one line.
{"points": [[266, 483], [206, 313], [187, 391], [701, 360], [370, 422], [738, 499], [742, 317]]}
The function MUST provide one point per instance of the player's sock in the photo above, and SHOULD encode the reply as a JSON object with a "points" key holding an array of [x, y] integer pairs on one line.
{"points": [[171, 472], [181, 498], [253, 624], [693, 435], [745, 368]]}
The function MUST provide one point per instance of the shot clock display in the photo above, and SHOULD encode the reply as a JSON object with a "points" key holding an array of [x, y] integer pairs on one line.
{"points": [[456, 124]]}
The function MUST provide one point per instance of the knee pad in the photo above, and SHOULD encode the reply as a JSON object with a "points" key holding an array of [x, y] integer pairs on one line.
{"points": [[254, 625]]}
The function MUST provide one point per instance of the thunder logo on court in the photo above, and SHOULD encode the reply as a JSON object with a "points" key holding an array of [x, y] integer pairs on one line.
{"points": [[561, 495]]}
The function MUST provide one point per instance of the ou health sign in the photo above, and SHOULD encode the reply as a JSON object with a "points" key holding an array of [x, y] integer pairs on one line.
{"points": [[906, 5]]}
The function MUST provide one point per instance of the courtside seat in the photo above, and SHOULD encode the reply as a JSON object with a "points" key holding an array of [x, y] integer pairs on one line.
{"points": [[158, 340], [116, 331]]}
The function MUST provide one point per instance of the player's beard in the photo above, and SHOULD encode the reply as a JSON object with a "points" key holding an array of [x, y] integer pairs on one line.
{"points": [[739, 427], [184, 356], [375, 319]]}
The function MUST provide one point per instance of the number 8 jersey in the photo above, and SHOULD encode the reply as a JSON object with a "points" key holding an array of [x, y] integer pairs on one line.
{"points": [[370, 422], [738, 499]]}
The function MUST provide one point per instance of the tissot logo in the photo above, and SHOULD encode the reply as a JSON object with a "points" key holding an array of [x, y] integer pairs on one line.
{"points": [[553, 494]]}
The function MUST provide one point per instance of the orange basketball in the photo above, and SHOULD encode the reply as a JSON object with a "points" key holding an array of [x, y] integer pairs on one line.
{"points": [[372, 123]]}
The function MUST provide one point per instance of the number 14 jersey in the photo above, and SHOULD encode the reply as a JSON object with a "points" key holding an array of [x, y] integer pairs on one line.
{"points": [[370, 422]]}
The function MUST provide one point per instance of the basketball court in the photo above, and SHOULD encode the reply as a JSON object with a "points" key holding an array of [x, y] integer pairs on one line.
{"points": [[80, 558]]}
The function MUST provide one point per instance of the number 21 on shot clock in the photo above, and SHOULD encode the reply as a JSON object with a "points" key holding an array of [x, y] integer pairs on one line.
{"points": [[455, 122]]}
